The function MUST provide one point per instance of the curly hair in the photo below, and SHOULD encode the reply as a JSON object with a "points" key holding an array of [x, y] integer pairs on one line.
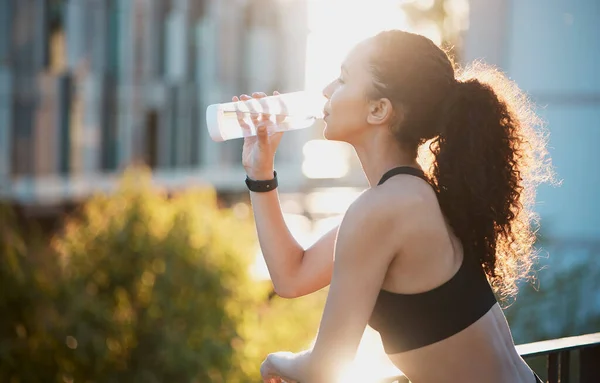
{"points": [[487, 149]]}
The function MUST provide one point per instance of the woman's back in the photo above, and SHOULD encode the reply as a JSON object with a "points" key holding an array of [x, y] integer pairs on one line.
{"points": [[429, 258]]}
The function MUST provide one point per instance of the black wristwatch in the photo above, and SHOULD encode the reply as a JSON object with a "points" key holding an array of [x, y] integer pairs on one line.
{"points": [[262, 185]]}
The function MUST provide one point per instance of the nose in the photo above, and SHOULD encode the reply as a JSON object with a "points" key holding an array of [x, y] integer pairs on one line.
{"points": [[328, 90]]}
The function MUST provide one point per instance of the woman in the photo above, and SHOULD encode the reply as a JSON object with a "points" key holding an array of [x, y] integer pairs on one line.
{"points": [[419, 257]]}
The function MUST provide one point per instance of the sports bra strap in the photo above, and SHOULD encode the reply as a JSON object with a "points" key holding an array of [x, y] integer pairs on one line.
{"points": [[402, 170]]}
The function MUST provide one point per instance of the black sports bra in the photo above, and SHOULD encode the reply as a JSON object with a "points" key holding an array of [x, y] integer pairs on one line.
{"points": [[409, 321]]}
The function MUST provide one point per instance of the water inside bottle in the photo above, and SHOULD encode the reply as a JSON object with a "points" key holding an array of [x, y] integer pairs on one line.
{"points": [[245, 121]]}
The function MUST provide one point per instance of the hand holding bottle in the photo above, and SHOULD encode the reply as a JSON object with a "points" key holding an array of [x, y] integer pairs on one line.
{"points": [[258, 153], [288, 111]]}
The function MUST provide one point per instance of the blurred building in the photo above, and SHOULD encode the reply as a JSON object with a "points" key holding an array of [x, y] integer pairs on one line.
{"points": [[88, 87]]}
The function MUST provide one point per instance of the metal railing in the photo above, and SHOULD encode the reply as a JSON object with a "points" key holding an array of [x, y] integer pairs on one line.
{"points": [[568, 360]]}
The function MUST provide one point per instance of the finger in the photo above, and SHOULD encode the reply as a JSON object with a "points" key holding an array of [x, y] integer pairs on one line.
{"points": [[271, 378], [259, 94], [246, 129], [275, 138], [264, 107], [251, 105], [263, 136], [284, 110]]}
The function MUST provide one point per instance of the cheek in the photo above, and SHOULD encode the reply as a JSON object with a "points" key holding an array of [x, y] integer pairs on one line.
{"points": [[347, 106]]}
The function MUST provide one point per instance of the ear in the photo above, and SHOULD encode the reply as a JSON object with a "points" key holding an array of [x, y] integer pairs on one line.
{"points": [[381, 112]]}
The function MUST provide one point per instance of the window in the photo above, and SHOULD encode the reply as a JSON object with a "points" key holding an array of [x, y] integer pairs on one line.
{"points": [[151, 133]]}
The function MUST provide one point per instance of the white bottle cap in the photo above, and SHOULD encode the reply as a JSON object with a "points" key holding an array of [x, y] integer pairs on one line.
{"points": [[214, 114]]}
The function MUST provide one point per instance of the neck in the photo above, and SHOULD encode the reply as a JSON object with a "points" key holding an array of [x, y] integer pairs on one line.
{"points": [[379, 153]]}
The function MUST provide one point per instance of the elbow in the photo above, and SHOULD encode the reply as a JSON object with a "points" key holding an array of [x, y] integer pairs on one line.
{"points": [[288, 287], [288, 283], [287, 290]]}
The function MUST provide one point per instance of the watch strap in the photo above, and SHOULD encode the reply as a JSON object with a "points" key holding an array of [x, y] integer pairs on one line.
{"points": [[262, 186]]}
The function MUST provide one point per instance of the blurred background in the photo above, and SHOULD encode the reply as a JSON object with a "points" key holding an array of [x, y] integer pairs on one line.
{"points": [[126, 239]]}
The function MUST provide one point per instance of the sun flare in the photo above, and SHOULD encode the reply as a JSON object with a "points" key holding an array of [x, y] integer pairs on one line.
{"points": [[335, 26]]}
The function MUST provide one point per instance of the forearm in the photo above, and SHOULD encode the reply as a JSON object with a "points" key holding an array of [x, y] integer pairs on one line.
{"points": [[283, 255], [305, 368]]}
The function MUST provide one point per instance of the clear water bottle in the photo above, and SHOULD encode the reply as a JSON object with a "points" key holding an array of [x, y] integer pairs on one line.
{"points": [[288, 111]]}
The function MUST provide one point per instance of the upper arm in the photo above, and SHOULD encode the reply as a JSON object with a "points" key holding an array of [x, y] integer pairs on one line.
{"points": [[316, 267], [364, 249]]}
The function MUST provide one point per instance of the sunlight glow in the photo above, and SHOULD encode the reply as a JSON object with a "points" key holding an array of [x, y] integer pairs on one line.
{"points": [[326, 159], [423, 4], [331, 201], [371, 363], [335, 26], [430, 30]]}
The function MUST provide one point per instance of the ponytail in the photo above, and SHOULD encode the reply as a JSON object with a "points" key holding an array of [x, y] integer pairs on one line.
{"points": [[487, 159]]}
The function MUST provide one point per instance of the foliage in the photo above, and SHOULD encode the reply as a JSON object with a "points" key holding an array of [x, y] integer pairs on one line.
{"points": [[142, 287], [28, 344], [157, 287], [290, 324]]}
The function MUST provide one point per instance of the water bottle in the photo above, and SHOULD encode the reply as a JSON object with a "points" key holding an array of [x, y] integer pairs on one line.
{"points": [[287, 111]]}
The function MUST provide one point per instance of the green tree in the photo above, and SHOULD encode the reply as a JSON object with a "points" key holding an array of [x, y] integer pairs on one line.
{"points": [[28, 342], [158, 287], [140, 286]]}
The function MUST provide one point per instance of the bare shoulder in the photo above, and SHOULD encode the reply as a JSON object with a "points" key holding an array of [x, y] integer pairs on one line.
{"points": [[397, 208], [371, 205], [395, 197], [364, 234], [384, 205]]}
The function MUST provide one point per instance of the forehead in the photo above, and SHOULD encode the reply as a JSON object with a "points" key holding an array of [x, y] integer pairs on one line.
{"points": [[358, 58]]}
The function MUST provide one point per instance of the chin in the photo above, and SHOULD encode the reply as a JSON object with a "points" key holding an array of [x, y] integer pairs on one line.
{"points": [[329, 133], [333, 135]]}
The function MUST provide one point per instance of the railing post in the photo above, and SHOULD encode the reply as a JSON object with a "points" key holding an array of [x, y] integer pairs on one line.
{"points": [[552, 366], [564, 367], [589, 364], [559, 367]]}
